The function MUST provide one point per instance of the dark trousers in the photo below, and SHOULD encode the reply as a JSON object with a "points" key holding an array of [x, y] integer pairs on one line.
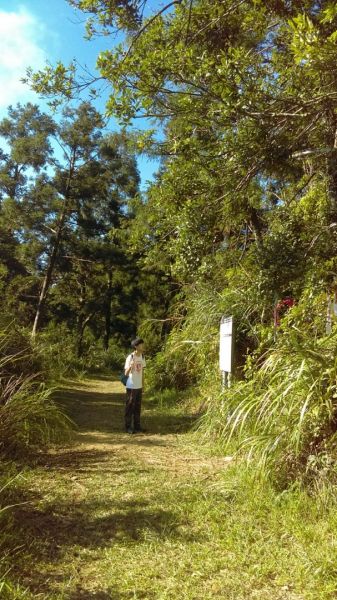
{"points": [[133, 408]]}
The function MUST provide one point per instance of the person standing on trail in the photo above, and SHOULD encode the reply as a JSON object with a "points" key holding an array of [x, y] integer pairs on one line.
{"points": [[134, 366]]}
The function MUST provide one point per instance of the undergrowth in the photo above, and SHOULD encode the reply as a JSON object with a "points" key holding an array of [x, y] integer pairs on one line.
{"points": [[282, 416]]}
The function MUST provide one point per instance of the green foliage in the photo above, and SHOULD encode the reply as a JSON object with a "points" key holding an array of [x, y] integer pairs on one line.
{"points": [[61, 227], [191, 346], [121, 13], [29, 419], [282, 417], [100, 360], [57, 350]]}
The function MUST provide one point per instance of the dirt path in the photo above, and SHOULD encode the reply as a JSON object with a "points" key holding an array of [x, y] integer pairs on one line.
{"points": [[97, 407], [109, 516], [114, 516]]}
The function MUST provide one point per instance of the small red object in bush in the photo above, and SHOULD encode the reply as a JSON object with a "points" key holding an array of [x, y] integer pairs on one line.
{"points": [[281, 307]]}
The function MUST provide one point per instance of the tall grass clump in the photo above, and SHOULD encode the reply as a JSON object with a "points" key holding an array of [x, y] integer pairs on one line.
{"points": [[29, 421], [283, 416], [29, 418]]}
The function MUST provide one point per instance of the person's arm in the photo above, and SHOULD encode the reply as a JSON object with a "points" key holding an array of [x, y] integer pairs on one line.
{"points": [[128, 365]]}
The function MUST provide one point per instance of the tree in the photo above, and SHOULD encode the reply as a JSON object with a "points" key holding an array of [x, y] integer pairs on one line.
{"points": [[26, 132], [78, 139], [258, 77], [65, 216]]}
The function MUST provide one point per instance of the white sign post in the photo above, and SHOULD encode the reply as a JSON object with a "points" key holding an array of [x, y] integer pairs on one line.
{"points": [[226, 349]]}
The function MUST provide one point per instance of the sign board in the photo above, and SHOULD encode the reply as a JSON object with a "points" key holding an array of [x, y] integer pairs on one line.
{"points": [[226, 344]]}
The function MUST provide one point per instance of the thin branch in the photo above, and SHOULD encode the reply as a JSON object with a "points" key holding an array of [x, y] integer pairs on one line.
{"points": [[14, 505], [300, 190], [49, 228], [173, 318], [244, 244], [147, 24], [306, 129], [314, 240], [243, 182], [276, 114], [88, 318], [232, 9], [78, 259]]}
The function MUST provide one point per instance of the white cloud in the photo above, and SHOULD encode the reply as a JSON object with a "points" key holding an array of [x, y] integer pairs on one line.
{"points": [[20, 35]]}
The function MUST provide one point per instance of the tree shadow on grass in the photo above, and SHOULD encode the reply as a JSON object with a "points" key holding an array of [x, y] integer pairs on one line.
{"points": [[162, 424], [65, 528], [58, 527], [79, 523], [111, 376], [93, 461], [104, 412], [71, 459], [92, 411]]}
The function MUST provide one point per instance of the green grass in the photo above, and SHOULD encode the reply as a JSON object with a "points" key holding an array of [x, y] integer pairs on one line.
{"points": [[156, 516]]}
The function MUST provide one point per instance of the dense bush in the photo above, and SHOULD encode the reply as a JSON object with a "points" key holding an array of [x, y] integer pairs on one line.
{"points": [[57, 350], [283, 414], [16, 353], [28, 416]]}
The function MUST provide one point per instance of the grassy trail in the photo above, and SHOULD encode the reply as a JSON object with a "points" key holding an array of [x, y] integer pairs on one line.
{"points": [[117, 517]]}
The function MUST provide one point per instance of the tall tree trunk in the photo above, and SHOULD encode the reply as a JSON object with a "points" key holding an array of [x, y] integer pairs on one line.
{"points": [[82, 323], [55, 249], [50, 269], [108, 312]]}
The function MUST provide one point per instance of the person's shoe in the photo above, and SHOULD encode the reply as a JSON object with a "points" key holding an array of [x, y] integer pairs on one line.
{"points": [[129, 430], [140, 430]]}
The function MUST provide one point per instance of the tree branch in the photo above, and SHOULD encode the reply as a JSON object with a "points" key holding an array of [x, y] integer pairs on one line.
{"points": [[313, 152], [147, 24]]}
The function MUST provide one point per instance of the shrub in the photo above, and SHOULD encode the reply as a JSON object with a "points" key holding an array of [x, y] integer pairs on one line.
{"points": [[56, 348], [17, 357], [28, 416], [98, 359], [284, 415]]}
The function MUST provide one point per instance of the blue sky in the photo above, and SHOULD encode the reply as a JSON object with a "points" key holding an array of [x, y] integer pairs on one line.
{"points": [[35, 31]]}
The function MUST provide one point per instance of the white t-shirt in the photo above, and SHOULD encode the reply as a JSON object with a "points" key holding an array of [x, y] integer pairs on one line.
{"points": [[135, 379]]}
